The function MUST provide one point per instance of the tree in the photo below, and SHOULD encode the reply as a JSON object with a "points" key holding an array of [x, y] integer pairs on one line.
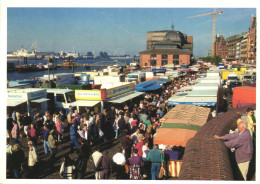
{"points": [[90, 54]]}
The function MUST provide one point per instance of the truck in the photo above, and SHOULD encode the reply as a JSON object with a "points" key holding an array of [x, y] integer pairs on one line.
{"points": [[245, 77], [225, 73], [61, 79], [60, 98], [136, 76], [109, 79], [231, 77]]}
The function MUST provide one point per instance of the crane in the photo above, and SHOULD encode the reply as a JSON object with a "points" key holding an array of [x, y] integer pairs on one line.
{"points": [[213, 31]]}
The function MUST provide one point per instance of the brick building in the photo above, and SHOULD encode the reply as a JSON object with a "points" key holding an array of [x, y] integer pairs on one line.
{"points": [[167, 47], [251, 42], [220, 46]]}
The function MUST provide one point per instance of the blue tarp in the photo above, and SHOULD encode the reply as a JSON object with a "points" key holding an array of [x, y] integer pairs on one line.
{"points": [[159, 70], [148, 86], [160, 81]]}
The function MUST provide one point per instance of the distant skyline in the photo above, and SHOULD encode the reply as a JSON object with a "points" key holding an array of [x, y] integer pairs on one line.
{"points": [[117, 30]]}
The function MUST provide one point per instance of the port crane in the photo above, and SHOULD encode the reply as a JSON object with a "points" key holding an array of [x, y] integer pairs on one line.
{"points": [[213, 31]]}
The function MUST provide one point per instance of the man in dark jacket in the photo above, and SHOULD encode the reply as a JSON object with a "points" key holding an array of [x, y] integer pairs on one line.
{"points": [[105, 164], [83, 153], [242, 142], [127, 144], [121, 125]]}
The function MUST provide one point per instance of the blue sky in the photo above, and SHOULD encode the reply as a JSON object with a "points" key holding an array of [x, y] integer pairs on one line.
{"points": [[116, 29]]}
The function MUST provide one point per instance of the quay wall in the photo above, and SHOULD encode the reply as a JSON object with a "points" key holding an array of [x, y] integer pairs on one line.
{"points": [[206, 158]]}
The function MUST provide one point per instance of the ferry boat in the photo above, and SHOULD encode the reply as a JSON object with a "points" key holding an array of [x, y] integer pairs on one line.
{"points": [[23, 53]]}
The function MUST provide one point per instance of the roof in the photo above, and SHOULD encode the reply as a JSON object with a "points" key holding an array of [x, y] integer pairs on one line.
{"points": [[53, 90], [181, 124], [161, 81], [86, 103], [13, 103], [124, 97], [179, 136], [182, 98], [26, 90], [187, 113], [203, 92], [148, 86], [166, 51]]}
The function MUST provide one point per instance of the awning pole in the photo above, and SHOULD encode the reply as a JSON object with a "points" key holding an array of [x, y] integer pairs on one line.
{"points": [[28, 108], [102, 105]]}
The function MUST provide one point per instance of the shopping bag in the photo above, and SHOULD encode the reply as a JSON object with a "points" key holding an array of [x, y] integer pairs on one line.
{"points": [[161, 173]]}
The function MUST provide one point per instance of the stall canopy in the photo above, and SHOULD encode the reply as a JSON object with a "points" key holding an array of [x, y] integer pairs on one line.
{"points": [[161, 81], [87, 103], [170, 136], [180, 124], [243, 96], [124, 97], [40, 100], [197, 97], [148, 86], [13, 103]]}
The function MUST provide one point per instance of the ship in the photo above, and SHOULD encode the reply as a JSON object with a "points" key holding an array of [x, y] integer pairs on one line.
{"points": [[23, 53]]}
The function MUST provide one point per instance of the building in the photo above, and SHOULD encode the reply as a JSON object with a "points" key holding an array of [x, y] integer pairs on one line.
{"points": [[166, 48], [251, 42], [220, 46], [243, 48], [231, 45]]}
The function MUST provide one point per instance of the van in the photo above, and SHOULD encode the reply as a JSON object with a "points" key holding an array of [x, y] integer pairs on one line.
{"points": [[231, 77], [60, 98]]}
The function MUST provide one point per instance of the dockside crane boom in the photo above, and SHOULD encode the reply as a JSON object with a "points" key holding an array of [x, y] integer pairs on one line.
{"points": [[213, 31]]}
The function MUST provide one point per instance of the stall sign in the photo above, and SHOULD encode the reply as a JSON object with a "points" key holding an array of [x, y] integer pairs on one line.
{"points": [[37, 94], [17, 96], [120, 90], [87, 94]]}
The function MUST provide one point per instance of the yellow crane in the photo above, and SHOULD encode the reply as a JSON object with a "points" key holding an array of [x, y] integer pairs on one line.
{"points": [[213, 31]]}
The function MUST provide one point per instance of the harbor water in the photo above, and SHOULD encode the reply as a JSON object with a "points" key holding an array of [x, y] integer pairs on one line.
{"points": [[19, 76]]}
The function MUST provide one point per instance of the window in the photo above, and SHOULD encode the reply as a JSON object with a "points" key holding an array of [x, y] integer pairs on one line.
{"points": [[175, 56], [153, 56], [153, 62], [164, 56], [145, 64], [164, 62], [60, 98], [70, 96], [176, 62]]}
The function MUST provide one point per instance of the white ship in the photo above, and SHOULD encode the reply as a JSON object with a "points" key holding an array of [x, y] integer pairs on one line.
{"points": [[23, 52]]}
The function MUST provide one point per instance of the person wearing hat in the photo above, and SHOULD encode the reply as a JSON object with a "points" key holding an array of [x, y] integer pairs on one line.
{"points": [[155, 156]]}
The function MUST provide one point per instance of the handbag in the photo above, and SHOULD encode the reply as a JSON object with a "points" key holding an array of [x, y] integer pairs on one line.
{"points": [[161, 173], [126, 168]]}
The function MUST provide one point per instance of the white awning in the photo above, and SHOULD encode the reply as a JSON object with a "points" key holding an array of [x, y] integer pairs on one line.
{"points": [[40, 100], [85, 103], [13, 103], [124, 97]]}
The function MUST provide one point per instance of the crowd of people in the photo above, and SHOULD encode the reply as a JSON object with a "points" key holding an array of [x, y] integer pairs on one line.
{"points": [[134, 125]]}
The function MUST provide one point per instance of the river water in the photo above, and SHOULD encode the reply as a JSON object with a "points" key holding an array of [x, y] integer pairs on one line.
{"points": [[19, 76]]}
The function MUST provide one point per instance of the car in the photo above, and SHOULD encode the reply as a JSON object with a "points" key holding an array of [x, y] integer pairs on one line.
{"points": [[234, 84]]}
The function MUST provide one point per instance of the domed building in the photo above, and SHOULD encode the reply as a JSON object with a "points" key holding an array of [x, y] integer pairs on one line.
{"points": [[166, 48]]}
